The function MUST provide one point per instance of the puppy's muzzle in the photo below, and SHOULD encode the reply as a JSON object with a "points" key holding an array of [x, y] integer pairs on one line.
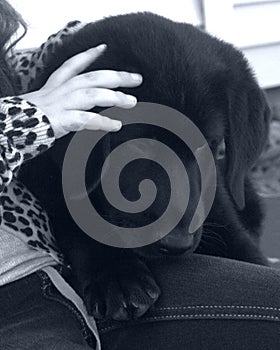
{"points": [[172, 245]]}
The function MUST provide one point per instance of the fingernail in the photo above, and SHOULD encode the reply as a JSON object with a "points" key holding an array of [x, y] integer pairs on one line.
{"points": [[129, 102], [131, 99], [137, 77], [101, 47], [116, 125]]}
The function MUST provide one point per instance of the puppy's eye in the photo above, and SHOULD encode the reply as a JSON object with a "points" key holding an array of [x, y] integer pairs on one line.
{"points": [[218, 148], [221, 150]]}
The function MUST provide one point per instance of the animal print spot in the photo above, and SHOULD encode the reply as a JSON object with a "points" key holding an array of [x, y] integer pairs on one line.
{"points": [[13, 227], [27, 156], [2, 167], [42, 148], [23, 220], [32, 244], [37, 223], [8, 208], [14, 133], [30, 138], [50, 132], [72, 24], [27, 231], [31, 123], [14, 111], [42, 217], [32, 213], [16, 100], [9, 217], [20, 146], [5, 179], [27, 196], [24, 63], [17, 123], [10, 149], [36, 244], [45, 119], [30, 112], [41, 237], [19, 210], [2, 126], [24, 201], [3, 116], [16, 158], [6, 199], [17, 191]]}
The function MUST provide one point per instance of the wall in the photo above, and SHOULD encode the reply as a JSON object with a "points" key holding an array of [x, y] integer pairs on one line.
{"points": [[253, 26], [47, 17]]}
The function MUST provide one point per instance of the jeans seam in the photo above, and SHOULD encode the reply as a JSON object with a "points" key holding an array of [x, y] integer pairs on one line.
{"points": [[219, 307], [47, 293], [206, 314], [214, 315], [193, 316]]}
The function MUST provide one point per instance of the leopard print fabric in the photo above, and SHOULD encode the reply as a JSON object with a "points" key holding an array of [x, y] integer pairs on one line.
{"points": [[25, 132], [29, 63]]}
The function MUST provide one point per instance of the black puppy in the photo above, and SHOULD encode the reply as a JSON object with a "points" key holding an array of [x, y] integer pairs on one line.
{"points": [[210, 82]]}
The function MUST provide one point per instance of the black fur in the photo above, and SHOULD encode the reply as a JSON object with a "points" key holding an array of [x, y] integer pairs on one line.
{"points": [[210, 82]]}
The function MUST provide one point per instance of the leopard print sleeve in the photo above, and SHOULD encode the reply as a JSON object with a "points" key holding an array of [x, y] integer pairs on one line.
{"points": [[29, 63], [24, 132]]}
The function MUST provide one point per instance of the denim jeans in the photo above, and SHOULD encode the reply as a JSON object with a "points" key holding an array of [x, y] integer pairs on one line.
{"points": [[206, 303], [34, 315]]}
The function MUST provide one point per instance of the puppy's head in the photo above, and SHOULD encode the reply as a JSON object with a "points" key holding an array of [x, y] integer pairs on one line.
{"points": [[183, 68]]}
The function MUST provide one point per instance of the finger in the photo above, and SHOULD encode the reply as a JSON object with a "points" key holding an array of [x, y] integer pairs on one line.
{"points": [[94, 121], [74, 66], [85, 99], [108, 79]]}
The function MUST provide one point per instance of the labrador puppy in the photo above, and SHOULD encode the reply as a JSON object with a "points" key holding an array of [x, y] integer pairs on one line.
{"points": [[211, 83]]}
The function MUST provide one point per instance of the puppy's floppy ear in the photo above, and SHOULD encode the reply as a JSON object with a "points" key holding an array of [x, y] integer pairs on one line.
{"points": [[246, 135]]}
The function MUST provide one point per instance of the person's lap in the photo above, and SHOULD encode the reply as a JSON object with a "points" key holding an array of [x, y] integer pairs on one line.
{"points": [[206, 303]]}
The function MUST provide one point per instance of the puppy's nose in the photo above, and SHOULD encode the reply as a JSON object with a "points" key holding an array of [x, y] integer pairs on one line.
{"points": [[175, 246]]}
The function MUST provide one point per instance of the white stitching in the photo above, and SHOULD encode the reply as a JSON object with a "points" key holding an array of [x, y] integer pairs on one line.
{"points": [[216, 315], [200, 315], [218, 307]]}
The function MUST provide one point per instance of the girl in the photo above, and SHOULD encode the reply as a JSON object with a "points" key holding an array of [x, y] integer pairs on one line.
{"points": [[30, 124]]}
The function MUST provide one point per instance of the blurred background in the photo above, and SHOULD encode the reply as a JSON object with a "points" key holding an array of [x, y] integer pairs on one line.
{"points": [[251, 25]]}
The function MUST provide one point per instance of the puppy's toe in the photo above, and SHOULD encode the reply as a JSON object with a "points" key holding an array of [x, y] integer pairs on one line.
{"points": [[140, 295], [116, 305], [95, 305]]}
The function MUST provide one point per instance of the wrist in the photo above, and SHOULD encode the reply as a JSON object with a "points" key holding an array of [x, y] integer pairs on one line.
{"points": [[26, 126]]}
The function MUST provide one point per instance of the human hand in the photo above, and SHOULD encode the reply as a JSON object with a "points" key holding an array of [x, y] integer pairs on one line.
{"points": [[67, 96]]}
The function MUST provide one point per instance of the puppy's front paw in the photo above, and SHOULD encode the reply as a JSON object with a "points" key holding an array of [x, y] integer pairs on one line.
{"points": [[121, 290]]}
